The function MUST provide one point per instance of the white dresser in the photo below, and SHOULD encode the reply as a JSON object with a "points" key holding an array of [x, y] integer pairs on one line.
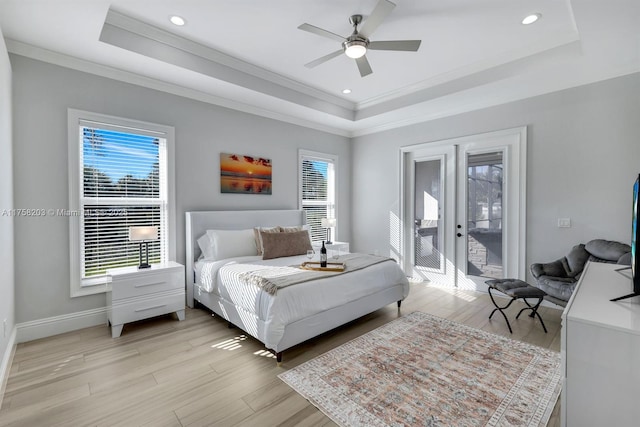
{"points": [[600, 351], [139, 294]]}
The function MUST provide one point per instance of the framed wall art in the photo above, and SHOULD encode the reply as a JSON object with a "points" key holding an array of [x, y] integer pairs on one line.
{"points": [[242, 174]]}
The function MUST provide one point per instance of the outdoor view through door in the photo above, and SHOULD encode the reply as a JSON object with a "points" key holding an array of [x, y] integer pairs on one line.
{"points": [[427, 221], [484, 217]]}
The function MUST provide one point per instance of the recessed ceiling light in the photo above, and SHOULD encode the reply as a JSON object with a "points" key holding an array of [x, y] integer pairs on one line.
{"points": [[177, 20], [346, 91], [531, 18]]}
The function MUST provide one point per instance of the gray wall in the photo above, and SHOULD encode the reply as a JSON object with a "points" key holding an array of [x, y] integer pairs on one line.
{"points": [[42, 94], [7, 300], [583, 156]]}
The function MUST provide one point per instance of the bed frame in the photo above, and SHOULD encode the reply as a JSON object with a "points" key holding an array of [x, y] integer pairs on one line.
{"points": [[295, 333]]}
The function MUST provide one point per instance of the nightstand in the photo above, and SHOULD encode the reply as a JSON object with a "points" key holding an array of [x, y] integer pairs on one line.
{"points": [[140, 294]]}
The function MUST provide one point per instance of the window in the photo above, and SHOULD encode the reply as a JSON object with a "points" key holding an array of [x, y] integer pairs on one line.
{"points": [[317, 190], [121, 176]]}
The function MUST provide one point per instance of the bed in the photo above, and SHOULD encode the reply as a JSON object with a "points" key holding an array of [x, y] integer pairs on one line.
{"points": [[291, 314]]}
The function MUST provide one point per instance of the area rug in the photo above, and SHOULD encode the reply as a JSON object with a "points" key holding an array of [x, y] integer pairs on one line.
{"points": [[422, 370]]}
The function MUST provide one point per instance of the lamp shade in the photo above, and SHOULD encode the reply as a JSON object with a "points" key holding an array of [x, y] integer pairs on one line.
{"points": [[328, 222], [140, 234]]}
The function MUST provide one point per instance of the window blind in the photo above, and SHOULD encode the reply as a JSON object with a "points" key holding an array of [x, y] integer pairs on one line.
{"points": [[123, 185], [317, 193]]}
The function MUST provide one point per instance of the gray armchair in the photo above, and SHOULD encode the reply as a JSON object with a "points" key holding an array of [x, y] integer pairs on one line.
{"points": [[559, 278]]}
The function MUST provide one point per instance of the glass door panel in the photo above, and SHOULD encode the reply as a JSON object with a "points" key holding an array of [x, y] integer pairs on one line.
{"points": [[427, 215], [484, 215], [430, 177]]}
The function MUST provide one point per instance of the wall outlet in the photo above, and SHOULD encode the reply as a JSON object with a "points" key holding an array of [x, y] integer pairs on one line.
{"points": [[564, 222]]}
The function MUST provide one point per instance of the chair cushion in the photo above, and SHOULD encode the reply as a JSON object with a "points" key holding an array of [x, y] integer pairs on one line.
{"points": [[575, 261], [607, 250], [558, 287], [625, 259], [515, 288]]}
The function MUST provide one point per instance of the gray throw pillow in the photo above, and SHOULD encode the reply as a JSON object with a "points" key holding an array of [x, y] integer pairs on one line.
{"points": [[276, 245]]}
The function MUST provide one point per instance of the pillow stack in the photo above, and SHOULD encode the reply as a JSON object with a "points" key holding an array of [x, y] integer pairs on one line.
{"points": [[270, 242]]}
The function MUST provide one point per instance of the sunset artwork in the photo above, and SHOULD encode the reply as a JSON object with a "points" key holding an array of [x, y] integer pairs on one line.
{"points": [[244, 174]]}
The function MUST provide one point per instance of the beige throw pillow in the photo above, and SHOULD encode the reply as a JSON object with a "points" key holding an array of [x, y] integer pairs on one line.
{"points": [[276, 245], [256, 232]]}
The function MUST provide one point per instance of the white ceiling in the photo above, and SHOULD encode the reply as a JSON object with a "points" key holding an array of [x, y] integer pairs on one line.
{"points": [[249, 54]]}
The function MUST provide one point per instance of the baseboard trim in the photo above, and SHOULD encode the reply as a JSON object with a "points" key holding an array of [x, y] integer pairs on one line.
{"points": [[7, 359], [43, 328]]}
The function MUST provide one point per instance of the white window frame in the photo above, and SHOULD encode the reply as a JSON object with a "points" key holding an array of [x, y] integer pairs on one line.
{"points": [[75, 119], [332, 191]]}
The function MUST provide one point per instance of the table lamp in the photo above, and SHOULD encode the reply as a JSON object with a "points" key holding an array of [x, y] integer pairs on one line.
{"points": [[143, 235], [328, 223]]}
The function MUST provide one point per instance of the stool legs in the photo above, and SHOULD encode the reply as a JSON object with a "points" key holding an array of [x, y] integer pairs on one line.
{"points": [[498, 308], [533, 308], [534, 311]]}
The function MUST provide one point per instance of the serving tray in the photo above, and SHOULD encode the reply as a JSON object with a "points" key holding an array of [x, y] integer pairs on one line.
{"points": [[315, 265]]}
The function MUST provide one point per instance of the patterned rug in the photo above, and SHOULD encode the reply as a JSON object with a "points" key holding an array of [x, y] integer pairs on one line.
{"points": [[422, 370]]}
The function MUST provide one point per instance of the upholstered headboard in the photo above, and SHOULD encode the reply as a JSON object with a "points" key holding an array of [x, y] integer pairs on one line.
{"points": [[198, 222]]}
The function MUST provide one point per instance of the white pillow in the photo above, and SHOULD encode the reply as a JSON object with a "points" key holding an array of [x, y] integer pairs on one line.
{"points": [[205, 247], [231, 243]]}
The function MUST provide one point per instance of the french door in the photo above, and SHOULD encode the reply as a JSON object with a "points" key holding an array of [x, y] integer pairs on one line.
{"points": [[464, 211]]}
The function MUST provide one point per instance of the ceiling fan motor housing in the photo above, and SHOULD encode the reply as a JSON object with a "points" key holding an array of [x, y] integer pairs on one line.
{"points": [[355, 46], [353, 41]]}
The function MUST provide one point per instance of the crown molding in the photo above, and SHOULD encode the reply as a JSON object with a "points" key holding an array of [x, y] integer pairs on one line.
{"points": [[385, 101], [425, 112], [136, 36], [55, 58]]}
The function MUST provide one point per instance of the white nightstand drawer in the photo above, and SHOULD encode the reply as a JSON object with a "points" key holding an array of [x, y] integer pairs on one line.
{"points": [[143, 309], [139, 294], [147, 283]]}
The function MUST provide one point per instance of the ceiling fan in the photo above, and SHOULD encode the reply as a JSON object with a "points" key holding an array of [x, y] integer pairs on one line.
{"points": [[356, 45]]}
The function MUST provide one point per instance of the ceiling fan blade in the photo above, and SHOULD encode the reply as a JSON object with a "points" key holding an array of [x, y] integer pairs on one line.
{"points": [[379, 14], [404, 45], [324, 59], [319, 31], [363, 66]]}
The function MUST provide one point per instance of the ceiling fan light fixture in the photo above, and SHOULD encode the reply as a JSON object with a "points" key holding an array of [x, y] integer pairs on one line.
{"points": [[355, 48]]}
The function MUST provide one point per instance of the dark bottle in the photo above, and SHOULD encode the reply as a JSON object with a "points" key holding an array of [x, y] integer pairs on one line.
{"points": [[323, 256]]}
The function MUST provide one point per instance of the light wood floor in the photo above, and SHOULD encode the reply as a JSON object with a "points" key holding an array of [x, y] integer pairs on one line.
{"points": [[163, 372]]}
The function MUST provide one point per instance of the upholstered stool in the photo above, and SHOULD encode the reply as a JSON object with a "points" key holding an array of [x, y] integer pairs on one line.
{"points": [[516, 289]]}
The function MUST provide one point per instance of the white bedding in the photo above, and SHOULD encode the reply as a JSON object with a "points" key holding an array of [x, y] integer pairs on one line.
{"points": [[294, 302]]}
